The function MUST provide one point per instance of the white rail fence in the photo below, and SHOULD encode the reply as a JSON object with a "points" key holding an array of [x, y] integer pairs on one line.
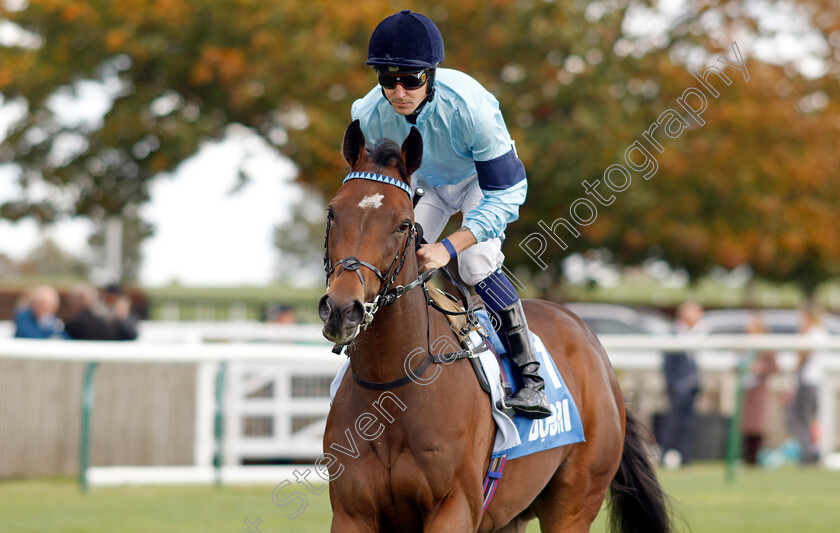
{"points": [[274, 380]]}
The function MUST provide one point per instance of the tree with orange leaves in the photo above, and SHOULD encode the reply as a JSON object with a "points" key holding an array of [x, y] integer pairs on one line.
{"points": [[578, 82]]}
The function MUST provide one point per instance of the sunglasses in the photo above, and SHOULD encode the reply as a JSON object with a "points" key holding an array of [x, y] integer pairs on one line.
{"points": [[409, 80]]}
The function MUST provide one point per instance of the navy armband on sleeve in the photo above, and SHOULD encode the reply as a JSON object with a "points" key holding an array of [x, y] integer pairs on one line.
{"points": [[500, 173]]}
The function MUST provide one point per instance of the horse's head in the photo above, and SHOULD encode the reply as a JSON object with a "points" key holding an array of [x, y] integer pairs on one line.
{"points": [[370, 229]]}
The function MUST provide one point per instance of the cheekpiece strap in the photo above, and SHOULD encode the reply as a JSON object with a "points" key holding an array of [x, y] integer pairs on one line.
{"points": [[380, 178]]}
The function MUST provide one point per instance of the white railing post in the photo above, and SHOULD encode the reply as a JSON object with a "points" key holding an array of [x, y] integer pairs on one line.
{"points": [[205, 381], [233, 414]]}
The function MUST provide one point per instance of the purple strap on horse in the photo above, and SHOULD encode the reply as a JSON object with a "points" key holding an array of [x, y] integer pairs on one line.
{"points": [[380, 178], [494, 475]]}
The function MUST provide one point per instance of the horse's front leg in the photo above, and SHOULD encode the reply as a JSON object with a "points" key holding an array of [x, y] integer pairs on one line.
{"points": [[353, 514], [455, 513], [344, 523]]}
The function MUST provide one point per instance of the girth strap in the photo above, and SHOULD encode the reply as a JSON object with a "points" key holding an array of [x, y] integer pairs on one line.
{"points": [[492, 479]]}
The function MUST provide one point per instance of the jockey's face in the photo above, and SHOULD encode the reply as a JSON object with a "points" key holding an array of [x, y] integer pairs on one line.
{"points": [[405, 101]]}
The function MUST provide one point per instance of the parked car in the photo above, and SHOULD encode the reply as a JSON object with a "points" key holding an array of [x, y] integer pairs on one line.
{"points": [[734, 321], [609, 319], [780, 321]]}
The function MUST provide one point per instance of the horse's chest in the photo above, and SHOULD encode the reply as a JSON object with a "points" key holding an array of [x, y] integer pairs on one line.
{"points": [[418, 475], [430, 466]]}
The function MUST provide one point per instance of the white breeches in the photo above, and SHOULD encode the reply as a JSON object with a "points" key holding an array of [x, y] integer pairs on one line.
{"points": [[433, 212]]}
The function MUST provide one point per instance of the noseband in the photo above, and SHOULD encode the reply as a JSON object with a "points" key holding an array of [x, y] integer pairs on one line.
{"points": [[386, 295]]}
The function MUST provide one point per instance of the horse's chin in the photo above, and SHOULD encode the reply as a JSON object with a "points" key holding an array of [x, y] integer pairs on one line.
{"points": [[342, 338]]}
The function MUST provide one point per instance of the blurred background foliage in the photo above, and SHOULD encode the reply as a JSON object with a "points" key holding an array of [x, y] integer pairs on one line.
{"points": [[577, 81]]}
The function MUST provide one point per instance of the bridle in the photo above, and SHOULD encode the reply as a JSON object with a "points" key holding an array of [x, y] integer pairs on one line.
{"points": [[386, 295]]}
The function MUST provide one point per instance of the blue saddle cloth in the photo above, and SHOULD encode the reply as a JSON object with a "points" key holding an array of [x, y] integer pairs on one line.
{"points": [[561, 428]]}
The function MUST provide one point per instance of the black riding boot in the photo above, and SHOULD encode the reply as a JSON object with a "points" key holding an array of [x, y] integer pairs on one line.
{"points": [[530, 400]]}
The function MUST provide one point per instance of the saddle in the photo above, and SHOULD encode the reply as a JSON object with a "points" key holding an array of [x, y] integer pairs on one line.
{"points": [[464, 322], [458, 317]]}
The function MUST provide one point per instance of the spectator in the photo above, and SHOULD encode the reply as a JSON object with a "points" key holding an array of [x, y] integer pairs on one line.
{"points": [[281, 314], [36, 319], [803, 407], [682, 383], [756, 395], [111, 295], [118, 305], [92, 320]]}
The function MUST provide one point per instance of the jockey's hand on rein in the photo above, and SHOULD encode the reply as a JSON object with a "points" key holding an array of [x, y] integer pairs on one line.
{"points": [[431, 256]]}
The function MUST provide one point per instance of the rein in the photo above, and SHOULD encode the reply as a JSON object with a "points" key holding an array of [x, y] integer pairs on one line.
{"points": [[442, 358]]}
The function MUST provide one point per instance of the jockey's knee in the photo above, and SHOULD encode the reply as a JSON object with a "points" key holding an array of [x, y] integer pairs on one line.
{"points": [[479, 261]]}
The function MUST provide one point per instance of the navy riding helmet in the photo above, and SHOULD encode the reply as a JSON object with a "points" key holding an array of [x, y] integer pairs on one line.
{"points": [[405, 42]]}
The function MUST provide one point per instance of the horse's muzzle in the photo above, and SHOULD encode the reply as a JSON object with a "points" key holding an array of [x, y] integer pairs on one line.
{"points": [[342, 319]]}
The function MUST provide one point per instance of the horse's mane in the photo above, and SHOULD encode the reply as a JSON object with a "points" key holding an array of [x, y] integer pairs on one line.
{"points": [[384, 152]]}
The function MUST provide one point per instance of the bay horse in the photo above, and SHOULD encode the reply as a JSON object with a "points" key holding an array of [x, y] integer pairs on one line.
{"points": [[414, 457]]}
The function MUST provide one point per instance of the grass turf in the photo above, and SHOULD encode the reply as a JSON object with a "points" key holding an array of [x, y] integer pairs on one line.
{"points": [[781, 501]]}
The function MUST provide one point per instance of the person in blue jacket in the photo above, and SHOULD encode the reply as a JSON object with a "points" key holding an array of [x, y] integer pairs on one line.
{"points": [[36, 319], [469, 165]]}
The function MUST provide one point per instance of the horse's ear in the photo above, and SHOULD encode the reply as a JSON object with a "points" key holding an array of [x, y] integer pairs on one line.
{"points": [[354, 144], [412, 150]]}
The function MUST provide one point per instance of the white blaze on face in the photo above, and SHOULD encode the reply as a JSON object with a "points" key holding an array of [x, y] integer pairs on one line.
{"points": [[374, 201]]}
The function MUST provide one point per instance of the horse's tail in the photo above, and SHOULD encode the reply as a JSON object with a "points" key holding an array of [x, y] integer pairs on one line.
{"points": [[637, 502]]}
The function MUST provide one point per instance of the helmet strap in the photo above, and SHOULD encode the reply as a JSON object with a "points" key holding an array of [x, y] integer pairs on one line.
{"points": [[430, 95]]}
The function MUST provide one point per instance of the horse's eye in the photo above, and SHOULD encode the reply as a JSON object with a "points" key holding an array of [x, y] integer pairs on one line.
{"points": [[405, 226]]}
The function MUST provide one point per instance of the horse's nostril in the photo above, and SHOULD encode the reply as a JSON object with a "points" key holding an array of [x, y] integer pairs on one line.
{"points": [[355, 313], [324, 308]]}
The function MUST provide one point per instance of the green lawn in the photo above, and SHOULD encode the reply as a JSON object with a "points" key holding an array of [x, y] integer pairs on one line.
{"points": [[782, 501]]}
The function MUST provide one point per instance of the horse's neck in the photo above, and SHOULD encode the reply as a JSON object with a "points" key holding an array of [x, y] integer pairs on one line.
{"points": [[379, 353]]}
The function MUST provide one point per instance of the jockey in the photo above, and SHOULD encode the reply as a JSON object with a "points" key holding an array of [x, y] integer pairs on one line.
{"points": [[469, 165]]}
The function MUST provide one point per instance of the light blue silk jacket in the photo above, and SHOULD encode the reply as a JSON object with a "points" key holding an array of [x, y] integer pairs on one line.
{"points": [[464, 138]]}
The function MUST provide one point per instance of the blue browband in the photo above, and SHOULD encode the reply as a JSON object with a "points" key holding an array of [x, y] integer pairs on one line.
{"points": [[380, 178]]}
